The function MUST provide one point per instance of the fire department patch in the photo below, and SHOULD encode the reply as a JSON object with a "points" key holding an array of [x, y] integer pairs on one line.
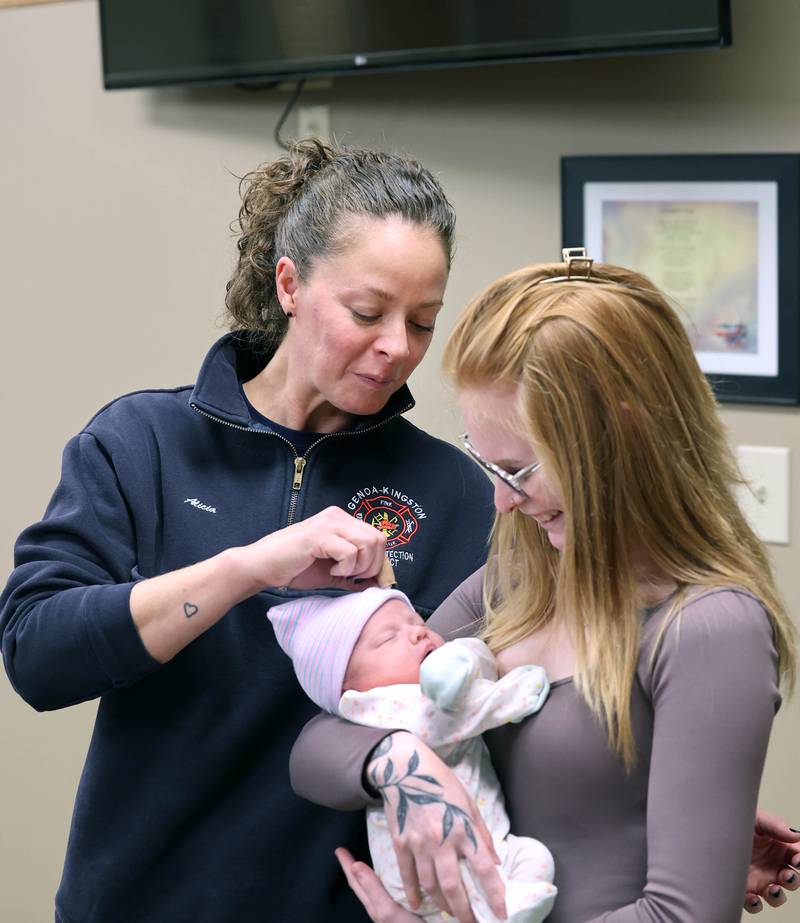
{"points": [[394, 518]]}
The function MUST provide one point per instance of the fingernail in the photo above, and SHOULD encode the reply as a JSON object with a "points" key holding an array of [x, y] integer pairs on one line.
{"points": [[754, 902], [774, 892], [791, 878], [794, 830]]}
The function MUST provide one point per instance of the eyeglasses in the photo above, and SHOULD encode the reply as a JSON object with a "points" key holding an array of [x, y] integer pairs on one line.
{"points": [[512, 480]]}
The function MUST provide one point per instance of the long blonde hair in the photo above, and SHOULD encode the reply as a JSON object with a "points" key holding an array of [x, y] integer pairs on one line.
{"points": [[614, 403]]}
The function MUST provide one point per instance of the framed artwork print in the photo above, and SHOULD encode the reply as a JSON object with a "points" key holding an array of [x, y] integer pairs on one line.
{"points": [[720, 235]]}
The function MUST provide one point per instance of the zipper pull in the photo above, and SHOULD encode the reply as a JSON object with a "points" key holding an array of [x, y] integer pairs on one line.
{"points": [[299, 465]]}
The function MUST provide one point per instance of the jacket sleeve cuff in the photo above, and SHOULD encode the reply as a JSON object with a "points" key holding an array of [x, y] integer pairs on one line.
{"points": [[113, 635]]}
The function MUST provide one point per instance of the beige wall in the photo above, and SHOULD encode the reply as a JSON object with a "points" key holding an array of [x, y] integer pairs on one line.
{"points": [[114, 252]]}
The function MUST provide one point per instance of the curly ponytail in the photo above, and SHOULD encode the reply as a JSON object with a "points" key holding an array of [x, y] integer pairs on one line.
{"points": [[296, 207], [267, 194]]}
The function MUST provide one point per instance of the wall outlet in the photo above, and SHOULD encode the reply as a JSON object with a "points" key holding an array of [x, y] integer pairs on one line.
{"points": [[314, 122], [766, 502]]}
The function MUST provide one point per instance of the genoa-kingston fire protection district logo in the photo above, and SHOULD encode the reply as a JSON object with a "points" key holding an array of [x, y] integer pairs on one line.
{"points": [[392, 517]]}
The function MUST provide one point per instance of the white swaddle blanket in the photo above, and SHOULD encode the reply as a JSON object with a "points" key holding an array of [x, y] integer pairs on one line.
{"points": [[458, 698]]}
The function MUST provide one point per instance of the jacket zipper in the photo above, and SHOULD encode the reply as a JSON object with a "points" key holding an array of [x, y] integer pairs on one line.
{"points": [[300, 461]]}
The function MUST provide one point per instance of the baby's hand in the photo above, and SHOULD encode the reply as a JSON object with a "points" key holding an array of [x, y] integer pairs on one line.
{"points": [[446, 673]]}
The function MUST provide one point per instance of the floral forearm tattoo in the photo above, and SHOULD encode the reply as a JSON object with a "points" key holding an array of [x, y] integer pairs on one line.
{"points": [[410, 792]]}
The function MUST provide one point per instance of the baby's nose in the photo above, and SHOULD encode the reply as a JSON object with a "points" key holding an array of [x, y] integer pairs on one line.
{"points": [[418, 631]]}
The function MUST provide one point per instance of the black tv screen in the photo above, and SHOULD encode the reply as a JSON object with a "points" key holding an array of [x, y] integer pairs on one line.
{"points": [[159, 42]]}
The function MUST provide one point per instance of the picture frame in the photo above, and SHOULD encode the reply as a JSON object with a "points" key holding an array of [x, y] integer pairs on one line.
{"points": [[720, 235]]}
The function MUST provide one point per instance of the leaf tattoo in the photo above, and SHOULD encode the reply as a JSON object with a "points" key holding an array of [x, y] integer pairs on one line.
{"points": [[402, 810], [468, 830], [411, 794], [387, 772], [447, 823], [383, 747], [429, 779], [423, 798]]}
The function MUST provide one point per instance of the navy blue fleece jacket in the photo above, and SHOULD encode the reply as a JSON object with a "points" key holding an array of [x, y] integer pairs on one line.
{"points": [[184, 810]]}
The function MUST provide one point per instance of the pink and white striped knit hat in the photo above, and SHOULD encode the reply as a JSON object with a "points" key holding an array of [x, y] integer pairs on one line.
{"points": [[319, 634]]}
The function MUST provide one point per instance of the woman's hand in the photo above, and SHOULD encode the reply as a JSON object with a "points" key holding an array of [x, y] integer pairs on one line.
{"points": [[434, 824], [368, 888], [331, 548], [774, 865]]}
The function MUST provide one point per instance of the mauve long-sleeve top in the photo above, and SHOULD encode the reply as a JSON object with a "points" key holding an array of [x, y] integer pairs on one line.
{"points": [[669, 841]]}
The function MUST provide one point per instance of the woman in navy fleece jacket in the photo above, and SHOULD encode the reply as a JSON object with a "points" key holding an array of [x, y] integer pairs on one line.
{"points": [[183, 514]]}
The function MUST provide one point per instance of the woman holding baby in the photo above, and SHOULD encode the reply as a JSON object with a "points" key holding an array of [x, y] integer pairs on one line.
{"points": [[620, 562]]}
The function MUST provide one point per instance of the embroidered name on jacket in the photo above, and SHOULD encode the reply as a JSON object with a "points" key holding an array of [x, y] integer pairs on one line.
{"points": [[391, 511], [200, 506]]}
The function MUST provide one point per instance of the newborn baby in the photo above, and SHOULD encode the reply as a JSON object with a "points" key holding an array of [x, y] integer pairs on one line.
{"points": [[370, 658]]}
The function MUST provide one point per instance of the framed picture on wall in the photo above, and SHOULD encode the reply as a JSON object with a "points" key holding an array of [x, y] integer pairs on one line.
{"points": [[720, 234]]}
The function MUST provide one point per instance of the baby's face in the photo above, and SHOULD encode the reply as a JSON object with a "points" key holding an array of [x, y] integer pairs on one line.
{"points": [[390, 648]]}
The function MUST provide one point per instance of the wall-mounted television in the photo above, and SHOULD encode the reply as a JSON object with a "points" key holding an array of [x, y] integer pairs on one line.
{"points": [[161, 42]]}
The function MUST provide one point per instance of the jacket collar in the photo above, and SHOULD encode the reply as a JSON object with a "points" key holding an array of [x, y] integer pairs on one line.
{"points": [[233, 359]]}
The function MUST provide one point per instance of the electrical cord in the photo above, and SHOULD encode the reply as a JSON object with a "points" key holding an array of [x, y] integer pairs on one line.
{"points": [[285, 114]]}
